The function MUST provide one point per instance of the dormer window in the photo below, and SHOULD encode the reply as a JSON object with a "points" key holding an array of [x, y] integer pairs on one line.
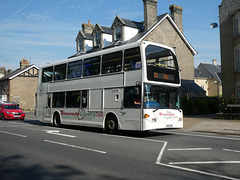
{"points": [[80, 45], [97, 38], [118, 32]]}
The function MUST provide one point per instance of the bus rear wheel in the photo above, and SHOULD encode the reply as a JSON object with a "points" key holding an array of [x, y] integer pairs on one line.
{"points": [[56, 120], [111, 125]]}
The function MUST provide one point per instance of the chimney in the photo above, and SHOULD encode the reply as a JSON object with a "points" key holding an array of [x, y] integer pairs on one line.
{"points": [[214, 62], [24, 63], [150, 13], [9, 70], [176, 14], [87, 28], [3, 71]]}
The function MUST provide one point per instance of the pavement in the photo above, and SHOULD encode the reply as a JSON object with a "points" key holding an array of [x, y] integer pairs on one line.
{"points": [[200, 123], [210, 124]]}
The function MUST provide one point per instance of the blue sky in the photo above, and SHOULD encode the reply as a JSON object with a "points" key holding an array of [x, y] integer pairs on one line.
{"points": [[45, 31]]}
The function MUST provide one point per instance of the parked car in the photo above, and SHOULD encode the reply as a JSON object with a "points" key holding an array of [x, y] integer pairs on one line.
{"points": [[11, 111]]}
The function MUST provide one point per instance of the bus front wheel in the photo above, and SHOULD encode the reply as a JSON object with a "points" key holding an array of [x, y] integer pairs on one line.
{"points": [[56, 120], [111, 125]]}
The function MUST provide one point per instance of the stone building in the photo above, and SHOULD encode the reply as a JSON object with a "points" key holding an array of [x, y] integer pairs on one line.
{"points": [[165, 29], [21, 85], [208, 77], [229, 20]]}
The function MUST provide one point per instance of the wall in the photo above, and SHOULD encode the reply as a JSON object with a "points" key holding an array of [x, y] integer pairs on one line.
{"points": [[88, 44], [107, 39], [129, 33], [23, 90], [228, 42], [202, 83]]}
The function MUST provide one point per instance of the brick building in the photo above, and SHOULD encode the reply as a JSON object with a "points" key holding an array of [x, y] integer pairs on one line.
{"points": [[21, 85], [229, 20], [164, 29]]}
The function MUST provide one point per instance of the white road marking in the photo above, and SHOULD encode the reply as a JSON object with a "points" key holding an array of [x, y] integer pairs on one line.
{"points": [[14, 134], [202, 135], [56, 132], [133, 138], [161, 153], [197, 171], [190, 149], [205, 162], [74, 146], [230, 150]]}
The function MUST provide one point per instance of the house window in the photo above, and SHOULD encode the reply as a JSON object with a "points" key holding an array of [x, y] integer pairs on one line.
{"points": [[238, 90], [118, 32], [237, 60], [236, 27], [80, 45], [97, 38]]}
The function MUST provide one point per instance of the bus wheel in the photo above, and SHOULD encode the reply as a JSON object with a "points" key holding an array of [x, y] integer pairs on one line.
{"points": [[111, 125], [56, 120]]}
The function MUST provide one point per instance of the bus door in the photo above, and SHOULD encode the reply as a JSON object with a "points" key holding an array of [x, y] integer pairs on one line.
{"points": [[131, 110], [47, 108], [44, 111]]}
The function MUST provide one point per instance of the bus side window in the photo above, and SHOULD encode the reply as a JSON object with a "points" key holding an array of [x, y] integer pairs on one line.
{"points": [[84, 102], [73, 99], [91, 66], [132, 59], [60, 72], [47, 74], [132, 97], [58, 100], [112, 62], [74, 69]]}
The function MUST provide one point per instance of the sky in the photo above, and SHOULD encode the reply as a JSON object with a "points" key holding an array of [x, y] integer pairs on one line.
{"points": [[45, 31]]}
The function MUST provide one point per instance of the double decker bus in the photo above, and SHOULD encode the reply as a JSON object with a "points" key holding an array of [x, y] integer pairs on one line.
{"points": [[128, 87]]}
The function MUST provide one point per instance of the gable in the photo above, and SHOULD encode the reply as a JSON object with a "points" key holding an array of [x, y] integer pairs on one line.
{"points": [[31, 71], [171, 25], [80, 35], [117, 21]]}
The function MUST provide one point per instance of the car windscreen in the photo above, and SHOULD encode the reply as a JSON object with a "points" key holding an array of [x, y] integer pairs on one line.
{"points": [[11, 107]]}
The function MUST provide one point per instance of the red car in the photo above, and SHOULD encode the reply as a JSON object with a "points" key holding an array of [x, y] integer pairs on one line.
{"points": [[11, 111]]}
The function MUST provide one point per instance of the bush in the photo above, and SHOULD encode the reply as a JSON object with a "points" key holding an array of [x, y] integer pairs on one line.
{"points": [[200, 105]]}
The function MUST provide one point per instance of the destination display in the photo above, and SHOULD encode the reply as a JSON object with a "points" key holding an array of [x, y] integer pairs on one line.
{"points": [[164, 76]]}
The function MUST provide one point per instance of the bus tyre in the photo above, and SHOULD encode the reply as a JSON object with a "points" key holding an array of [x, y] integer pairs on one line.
{"points": [[56, 120], [111, 125]]}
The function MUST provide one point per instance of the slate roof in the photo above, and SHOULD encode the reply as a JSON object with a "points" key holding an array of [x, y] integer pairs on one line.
{"points": [[106, 30], [208, 71], [134, 24], [142, 34], [190, 86]]}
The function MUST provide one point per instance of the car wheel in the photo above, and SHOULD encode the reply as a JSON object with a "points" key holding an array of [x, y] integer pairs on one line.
{"points": [[3, 117]]}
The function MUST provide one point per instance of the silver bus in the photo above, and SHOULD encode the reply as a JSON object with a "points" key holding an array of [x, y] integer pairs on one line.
{"points": [[128, 87]]}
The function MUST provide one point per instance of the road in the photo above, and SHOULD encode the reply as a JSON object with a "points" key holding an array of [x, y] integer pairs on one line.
{"points": [[33, 150]]}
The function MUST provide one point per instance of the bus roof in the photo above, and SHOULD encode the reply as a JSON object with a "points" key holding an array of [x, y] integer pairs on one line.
{"points": [[112, 48]]}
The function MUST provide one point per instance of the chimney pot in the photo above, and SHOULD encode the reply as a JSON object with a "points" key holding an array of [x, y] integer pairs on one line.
{"points": [[214, 62]]}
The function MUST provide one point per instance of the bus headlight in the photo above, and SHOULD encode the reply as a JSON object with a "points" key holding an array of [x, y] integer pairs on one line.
{"points": [[180, 119]]}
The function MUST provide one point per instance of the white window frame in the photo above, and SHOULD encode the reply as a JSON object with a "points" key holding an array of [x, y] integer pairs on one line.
{"points": [[237, 59], [117, 32]]}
